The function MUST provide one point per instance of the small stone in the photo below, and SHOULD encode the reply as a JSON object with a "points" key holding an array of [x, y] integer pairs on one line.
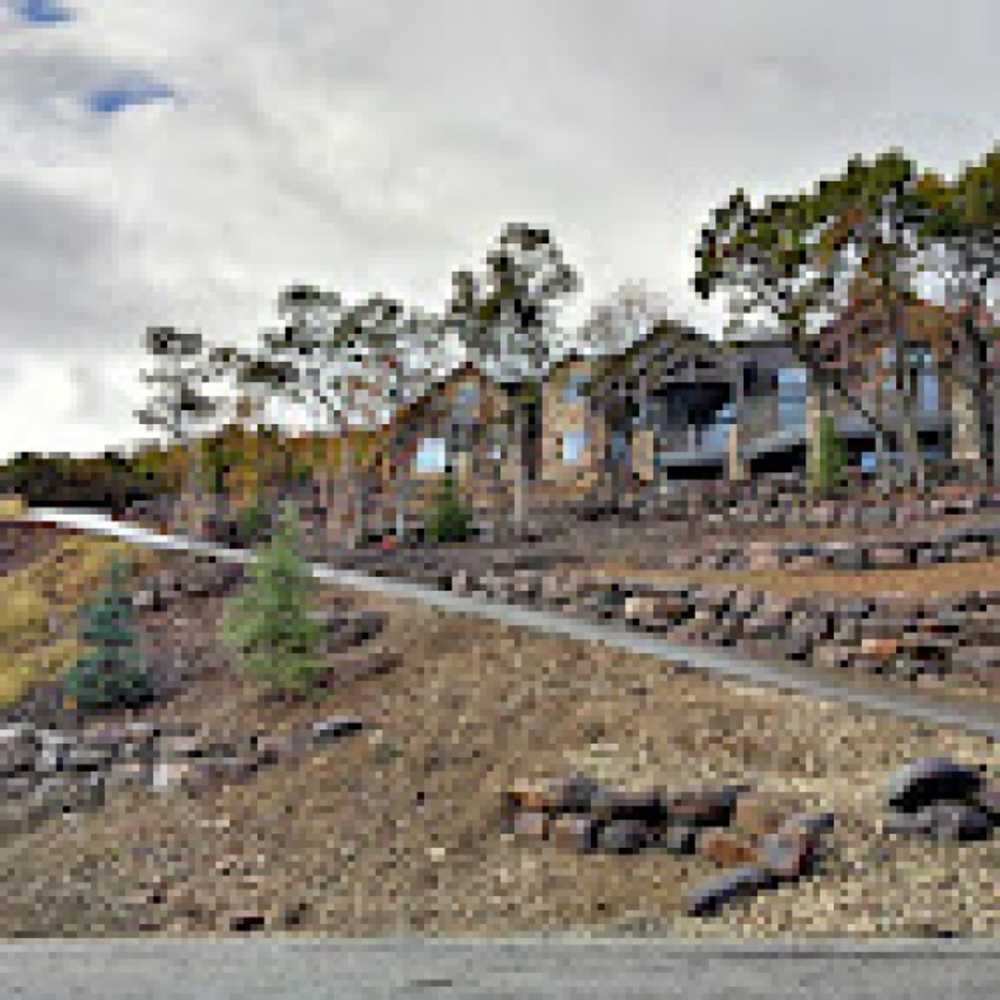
{"points": [[336, 726], [246, 922]]}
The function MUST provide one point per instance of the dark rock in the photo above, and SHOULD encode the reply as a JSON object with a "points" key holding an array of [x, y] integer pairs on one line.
{"points": [[707, 898], [678, 839], [334, 727], [931, 779], [613, 804], [245, 922], [988, 799], [950, 821], [704, 807], [623, 836]]}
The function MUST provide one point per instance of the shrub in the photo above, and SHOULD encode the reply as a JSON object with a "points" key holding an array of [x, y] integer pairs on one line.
{"points": [[110, 674], [449, 520], [253, 523], [268, 623]]}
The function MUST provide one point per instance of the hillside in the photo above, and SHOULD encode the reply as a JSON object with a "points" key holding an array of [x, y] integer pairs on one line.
{"points": [[396, 830]]}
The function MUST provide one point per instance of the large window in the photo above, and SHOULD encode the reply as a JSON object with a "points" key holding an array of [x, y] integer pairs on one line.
{"points": [[572, 446], [466, 402], [431, 455], [791, 397]]}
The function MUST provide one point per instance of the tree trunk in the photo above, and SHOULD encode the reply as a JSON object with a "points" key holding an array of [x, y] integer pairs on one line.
{"points": [[519, 467], [816, 407], [996, 427], [904, 394]]}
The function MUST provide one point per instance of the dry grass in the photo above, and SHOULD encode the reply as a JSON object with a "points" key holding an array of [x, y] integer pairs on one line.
{"points": [[46, 593]]}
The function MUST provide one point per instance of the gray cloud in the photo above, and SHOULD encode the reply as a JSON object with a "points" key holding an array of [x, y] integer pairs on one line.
{"points": [[371, 147]]}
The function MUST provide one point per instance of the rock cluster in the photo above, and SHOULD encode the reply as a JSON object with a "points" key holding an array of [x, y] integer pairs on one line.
{"points": [[956, 633], [206, 578], [757, 840], [45, 772]]}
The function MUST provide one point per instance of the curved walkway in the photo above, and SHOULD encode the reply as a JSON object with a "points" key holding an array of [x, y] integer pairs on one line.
{"points": [[936, 709]]}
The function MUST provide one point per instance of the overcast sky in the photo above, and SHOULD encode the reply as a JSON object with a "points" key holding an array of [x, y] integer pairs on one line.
{"points": [[179, 162]]}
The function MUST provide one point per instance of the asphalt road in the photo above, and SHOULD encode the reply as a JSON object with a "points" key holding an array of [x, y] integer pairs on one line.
{"points": [[513, 969], [863, 693]]}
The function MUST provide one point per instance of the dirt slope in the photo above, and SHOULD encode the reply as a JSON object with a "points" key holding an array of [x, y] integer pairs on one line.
{"points": [[396, 831]]}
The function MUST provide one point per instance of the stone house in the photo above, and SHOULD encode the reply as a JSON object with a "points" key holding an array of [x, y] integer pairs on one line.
{"points": [[461, 427]]}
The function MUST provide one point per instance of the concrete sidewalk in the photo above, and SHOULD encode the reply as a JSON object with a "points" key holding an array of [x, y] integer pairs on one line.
{"points": [[515, 968]]}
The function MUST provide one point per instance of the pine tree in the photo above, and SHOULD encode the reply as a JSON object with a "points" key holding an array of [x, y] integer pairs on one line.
{"points": [[110, 674], [269, 623]]}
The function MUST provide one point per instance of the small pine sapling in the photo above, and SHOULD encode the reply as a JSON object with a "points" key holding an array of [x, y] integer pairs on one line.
{"points": [[110, 674], [268, 624]]}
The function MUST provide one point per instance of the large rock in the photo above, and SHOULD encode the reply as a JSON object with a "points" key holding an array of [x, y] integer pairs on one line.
{"points": [[787, 854], [931, 779], [726, 849], [574, 832], [702, 807], [707, 898], [623, 836], [940, 820]]}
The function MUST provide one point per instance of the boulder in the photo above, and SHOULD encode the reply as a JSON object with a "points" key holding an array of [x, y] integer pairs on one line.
{"points": [[931, 779]]}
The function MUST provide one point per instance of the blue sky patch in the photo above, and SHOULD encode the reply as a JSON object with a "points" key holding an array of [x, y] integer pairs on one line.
{"points": [[42, 12], [109, 100]]}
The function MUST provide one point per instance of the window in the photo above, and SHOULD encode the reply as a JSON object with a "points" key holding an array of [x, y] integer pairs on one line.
{"points": [[467, 395], [431, 455], [572, 446]]}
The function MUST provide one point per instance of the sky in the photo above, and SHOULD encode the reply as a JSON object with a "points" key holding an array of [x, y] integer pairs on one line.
{"points": [[179, 163]]}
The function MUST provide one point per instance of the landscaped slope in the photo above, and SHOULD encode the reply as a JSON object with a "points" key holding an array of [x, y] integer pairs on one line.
{"points": [[397, 830]]}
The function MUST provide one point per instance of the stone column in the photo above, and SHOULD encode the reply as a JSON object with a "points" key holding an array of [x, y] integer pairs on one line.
{"points": [[815, 409], [736, 467], [966, 426]]}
